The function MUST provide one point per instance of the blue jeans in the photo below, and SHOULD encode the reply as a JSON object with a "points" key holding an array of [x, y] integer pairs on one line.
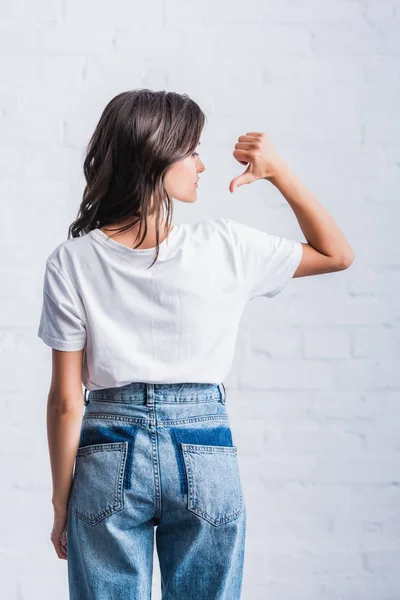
{"points": [[156, 455]]}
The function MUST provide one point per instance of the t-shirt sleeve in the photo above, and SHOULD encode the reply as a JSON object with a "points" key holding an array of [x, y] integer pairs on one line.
{"points": [[267, 261], [61, 326]]}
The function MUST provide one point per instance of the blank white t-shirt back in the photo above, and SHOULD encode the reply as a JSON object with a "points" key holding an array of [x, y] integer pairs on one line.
{"points": [[176, 322]]}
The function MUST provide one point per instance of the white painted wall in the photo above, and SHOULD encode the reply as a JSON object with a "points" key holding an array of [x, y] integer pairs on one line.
{"points": [[314, 389]]}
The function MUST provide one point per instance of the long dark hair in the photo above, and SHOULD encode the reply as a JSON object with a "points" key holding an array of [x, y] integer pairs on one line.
{"points": [[140, 134]]}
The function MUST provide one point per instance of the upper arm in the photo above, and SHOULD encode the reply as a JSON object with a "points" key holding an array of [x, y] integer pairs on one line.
{"points": [[62, 323], [66, 379], [62, 327], [267, 262], [315, 263]]}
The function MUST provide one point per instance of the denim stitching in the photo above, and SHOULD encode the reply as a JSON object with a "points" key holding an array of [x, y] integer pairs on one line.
{"points": [[118, 504], [187, 450]]}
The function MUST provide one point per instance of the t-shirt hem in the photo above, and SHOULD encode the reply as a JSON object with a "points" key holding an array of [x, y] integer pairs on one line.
{"points": [[60, 345], [292, 266]]}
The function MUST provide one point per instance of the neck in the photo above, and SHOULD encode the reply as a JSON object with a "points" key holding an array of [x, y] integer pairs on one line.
{"points": [[131, 236]]}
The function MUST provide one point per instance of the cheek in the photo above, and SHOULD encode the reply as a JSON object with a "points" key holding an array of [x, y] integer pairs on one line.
{"points": [[181, 176]]}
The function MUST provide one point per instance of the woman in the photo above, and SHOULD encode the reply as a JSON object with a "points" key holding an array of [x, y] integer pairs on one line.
{"points": [[148, 325]]}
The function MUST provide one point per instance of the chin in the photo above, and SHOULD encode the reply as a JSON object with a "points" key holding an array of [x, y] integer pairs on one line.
{"points": [[188, 199]]}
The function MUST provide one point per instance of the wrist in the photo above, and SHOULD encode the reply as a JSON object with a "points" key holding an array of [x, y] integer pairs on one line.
{"points": [[278, 173], [60, 507]]}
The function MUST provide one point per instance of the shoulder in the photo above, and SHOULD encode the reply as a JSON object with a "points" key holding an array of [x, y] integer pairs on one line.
{"points": [[227, 225], [234, 232], [210, 234], [68, 251], [214, 226]]}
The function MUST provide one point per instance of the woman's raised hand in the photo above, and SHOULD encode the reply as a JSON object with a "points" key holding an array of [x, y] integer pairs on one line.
{"points": [[255, 150]]}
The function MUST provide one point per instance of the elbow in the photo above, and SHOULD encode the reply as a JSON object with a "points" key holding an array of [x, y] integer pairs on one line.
{"points": [[345, 261], [64, 407]]}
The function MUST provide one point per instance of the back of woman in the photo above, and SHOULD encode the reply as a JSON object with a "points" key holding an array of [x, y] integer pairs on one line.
{"points": [[145, 315]]}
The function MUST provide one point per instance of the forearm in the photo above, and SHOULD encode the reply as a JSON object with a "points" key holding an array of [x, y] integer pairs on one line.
{"points": [[63, 432], [319, 228]]}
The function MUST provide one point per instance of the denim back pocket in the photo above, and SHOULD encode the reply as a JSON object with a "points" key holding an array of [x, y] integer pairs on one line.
{"points": [[98, 485], [214, 486]]}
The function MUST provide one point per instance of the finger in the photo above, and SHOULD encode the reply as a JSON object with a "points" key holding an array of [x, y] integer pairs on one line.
{"points": [[244, 145], [61, 552], [241, 155], [248, 139], [60, 543]]}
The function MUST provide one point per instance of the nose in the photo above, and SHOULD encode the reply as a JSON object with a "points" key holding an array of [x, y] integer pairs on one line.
{"points": [[200, 166]]}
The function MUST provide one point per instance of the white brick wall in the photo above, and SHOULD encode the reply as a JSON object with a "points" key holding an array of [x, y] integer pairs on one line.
{"points": [[314, 390]]}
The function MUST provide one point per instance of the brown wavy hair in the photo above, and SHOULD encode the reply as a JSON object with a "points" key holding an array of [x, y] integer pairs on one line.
{"points": [[140, 134]]}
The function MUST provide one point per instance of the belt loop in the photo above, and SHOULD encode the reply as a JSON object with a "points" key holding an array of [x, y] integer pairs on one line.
{"points": [[223, 393], [86, 400], [149, 387]]}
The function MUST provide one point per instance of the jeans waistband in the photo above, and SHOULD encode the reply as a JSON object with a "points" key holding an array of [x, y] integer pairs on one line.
{"points": [[154, 393]]}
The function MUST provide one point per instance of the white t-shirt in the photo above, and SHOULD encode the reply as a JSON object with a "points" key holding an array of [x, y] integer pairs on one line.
{"points": [[176, 322]]}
